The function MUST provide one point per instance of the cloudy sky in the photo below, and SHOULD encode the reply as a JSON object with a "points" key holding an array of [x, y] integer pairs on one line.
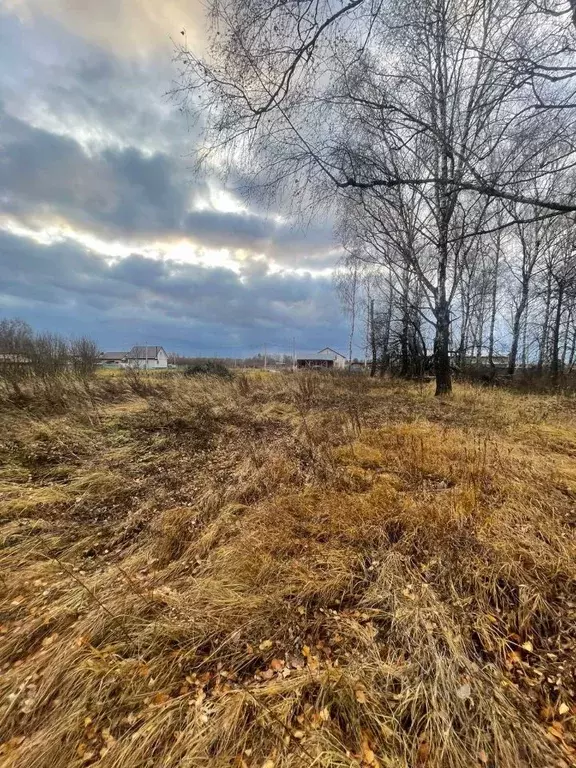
{"points": [[105, 228]]}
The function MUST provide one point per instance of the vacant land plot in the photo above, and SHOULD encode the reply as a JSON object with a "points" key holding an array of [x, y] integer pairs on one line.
{"points": [[286, 571]]}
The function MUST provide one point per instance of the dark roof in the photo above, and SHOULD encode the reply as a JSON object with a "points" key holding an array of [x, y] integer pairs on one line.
{"points": [[144, 353], [112, 355], [313, 356]]}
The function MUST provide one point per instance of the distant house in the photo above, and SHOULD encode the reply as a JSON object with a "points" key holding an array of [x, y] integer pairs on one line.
{"points": [[500, 361], [14, 358], [339, 359], [314, 360], [147, 357], [112, 359]]}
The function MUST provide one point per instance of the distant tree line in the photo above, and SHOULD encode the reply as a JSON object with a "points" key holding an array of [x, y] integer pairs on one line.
{"points": [[25, 353], [513, 305]]}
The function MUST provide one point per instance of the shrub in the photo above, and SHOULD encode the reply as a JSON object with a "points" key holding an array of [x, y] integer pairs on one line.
{"points": [[208, 368]]}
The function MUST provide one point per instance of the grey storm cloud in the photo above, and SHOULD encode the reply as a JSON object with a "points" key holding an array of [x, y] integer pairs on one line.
{"points": [[90, 143], [114, 192], [313, 247], [124, 193], [92, 140], [50, 279], [53, 79]]}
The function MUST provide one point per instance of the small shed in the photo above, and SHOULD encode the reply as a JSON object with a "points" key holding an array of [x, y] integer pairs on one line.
{"points": [[112, 359], [314, 360]]}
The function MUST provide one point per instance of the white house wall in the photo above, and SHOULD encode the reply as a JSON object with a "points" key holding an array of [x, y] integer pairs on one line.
{"points": [[339, 360], [148, 364], [152, 362]]}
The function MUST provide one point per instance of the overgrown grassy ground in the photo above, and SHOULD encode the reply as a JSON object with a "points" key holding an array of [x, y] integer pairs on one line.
{"points": [[286, 571]]}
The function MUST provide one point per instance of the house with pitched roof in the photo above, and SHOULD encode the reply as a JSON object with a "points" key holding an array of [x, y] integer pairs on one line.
{"points": [[147, 357]]}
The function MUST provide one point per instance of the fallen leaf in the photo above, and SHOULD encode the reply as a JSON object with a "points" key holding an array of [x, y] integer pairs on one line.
{"points": [[513, 658], [27, 706], [557, 733], [361, 696], [563, 708], [528, 646], [268, 763], [367, 755], [464, 692], [298, 734], [423, 753], [547, 713], [159, 698], [265, 645], [313, 664], [482, 757], [277, 664]]}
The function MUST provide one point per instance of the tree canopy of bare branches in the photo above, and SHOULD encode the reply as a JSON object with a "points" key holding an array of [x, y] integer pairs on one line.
{"points": [[426, 111]]}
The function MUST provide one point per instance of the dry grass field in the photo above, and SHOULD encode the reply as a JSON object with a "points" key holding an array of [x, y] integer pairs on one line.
{"points": [[282, 571]]}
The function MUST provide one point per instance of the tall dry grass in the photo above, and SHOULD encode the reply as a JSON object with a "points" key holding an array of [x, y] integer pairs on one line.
{"points": [[287, 571]]}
